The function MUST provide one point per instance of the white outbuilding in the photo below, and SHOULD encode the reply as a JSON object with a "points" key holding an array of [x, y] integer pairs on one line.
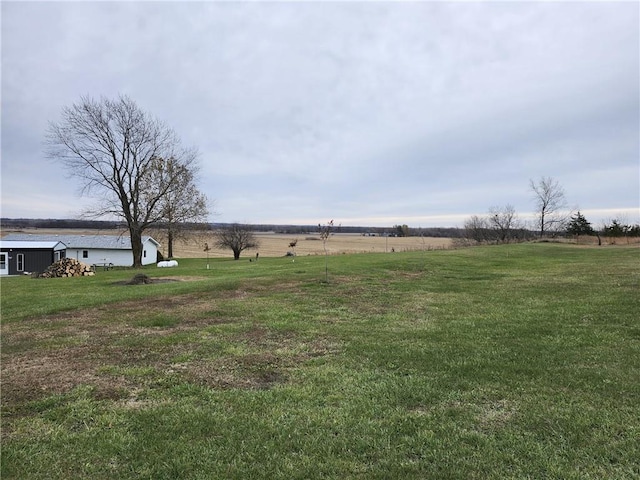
{"points": [[99, 250]]}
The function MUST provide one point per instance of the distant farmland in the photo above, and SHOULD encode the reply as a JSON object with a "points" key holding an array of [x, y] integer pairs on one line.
{"points": [[271, 244], [277, 245]]}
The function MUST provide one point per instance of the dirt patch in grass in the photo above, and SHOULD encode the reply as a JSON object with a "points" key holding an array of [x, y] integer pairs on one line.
{"points": [[117, 350], [251, 371], [30, 377], [142, 279], [495, 415]]}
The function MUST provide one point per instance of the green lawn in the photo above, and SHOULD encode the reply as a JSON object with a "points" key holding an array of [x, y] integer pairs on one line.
{"points": [[517, 361]]}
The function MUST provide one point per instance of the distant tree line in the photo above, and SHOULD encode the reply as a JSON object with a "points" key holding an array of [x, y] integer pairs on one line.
{"points": [[54, 223], [440, 232], [502, 225], [614, 229], [87, 224]]}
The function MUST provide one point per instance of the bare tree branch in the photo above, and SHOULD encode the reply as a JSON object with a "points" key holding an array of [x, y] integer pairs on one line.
{"points": [[550, 202], [236, 238], [112, 147]]}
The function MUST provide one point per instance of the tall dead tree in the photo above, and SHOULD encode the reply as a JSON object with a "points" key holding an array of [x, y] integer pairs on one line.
{"points": [[550, 203], [113, 147]]}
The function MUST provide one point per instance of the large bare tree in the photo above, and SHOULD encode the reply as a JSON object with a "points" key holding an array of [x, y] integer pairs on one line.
{"points": [[550, 203], [114, 149], [236, 238], [504, 221], [183, 204]]}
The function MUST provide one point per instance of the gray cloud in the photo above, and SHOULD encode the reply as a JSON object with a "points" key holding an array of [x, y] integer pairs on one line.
{"points": [[365, 111]]}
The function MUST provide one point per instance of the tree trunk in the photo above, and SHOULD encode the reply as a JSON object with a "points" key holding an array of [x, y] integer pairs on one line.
{"points": [[170, 242], [136, 246]]}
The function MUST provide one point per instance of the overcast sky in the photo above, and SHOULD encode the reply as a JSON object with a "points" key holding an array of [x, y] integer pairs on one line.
{"points": [[367, 113]]}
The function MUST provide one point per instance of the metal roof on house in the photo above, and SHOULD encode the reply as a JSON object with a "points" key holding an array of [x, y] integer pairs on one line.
{"points": [[24, 245], [102, 242]]}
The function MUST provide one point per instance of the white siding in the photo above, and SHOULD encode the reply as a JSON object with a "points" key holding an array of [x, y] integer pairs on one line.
{"points": [[99, 248], [152, 253], [120, 258]]}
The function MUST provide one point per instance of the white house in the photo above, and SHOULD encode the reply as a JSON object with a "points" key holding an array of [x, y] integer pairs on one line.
{"points": [[97, 249]]}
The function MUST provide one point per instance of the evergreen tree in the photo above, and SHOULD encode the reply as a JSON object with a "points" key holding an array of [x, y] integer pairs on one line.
{"points": [[578, 225]]}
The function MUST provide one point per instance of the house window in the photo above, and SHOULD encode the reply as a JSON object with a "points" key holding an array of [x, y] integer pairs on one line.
{"points": [[85, 253], [144, 253], [20, 262]]}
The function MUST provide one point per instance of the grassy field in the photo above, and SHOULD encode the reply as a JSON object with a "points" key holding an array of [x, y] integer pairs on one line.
{"points": [[518, 361]]}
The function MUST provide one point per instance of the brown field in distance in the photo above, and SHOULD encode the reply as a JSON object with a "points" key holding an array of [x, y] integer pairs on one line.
{"points": [[277, 245], [271, 244]]}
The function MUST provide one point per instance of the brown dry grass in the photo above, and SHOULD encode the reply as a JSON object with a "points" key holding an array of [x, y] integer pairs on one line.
{"points": [[272, 244], [277, 245]]}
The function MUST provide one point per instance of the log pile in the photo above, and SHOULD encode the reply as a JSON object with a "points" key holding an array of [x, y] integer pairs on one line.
{"points": [[67, 267]]}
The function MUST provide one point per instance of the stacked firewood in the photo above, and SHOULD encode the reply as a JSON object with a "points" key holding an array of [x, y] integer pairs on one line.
{"points": [[67, 267]]}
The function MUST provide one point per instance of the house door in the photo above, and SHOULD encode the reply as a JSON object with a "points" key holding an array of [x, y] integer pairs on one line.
{"points": [[4, 264]]}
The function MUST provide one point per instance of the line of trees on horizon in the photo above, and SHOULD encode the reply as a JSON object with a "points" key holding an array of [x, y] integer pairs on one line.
{"points": [[553, 219], [88, 224]]}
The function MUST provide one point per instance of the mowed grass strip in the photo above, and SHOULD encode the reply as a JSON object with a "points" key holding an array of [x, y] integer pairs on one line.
{"points": [[518, 361]]}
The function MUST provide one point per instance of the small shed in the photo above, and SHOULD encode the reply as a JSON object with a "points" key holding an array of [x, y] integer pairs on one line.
{"points": [[98, 249], [19, 256]]}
